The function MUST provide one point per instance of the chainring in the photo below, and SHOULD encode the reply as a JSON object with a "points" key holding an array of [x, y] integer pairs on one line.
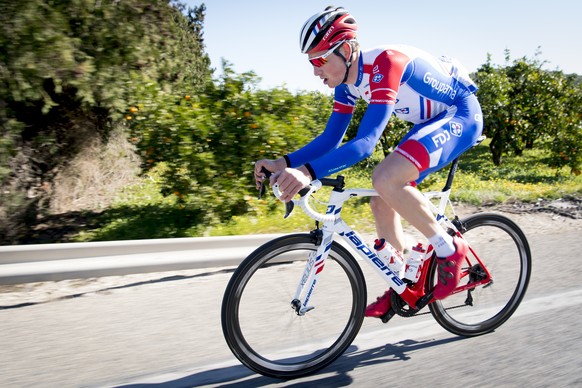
{"points": [[400, 307]]}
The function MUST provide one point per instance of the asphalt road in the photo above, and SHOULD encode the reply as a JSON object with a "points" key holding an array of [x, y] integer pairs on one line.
{"points": [[164, 330]]}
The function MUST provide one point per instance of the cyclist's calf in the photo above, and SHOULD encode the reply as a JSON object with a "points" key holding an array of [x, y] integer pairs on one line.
{"points": [[388, 223]]}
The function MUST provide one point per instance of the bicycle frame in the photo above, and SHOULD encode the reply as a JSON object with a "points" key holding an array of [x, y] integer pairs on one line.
{"points": [[333, 223], [415, 296], [279, 347]]}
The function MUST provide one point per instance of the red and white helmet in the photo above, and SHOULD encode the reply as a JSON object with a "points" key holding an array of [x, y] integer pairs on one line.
{"points": [[326, 29]]}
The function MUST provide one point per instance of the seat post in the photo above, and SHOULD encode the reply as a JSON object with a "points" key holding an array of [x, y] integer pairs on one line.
{"points": [[451, 176], [455, 165]]}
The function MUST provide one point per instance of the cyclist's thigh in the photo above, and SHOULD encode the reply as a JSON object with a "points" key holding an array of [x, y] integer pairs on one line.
{"points": [[434, 144]]}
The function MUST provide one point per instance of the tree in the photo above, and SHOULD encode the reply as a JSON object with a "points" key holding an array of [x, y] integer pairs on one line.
{"points": [[207, 143], [68, 70], [526, 106]]}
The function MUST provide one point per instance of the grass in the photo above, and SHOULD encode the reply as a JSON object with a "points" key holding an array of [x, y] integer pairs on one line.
{"points": [[141, 212], [520, 178]]}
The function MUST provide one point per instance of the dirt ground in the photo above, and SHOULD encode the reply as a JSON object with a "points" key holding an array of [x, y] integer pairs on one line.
{"points": [[544, 216]]}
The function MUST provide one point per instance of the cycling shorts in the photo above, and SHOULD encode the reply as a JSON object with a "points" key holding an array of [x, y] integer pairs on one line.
{"points": [[433, 144]]}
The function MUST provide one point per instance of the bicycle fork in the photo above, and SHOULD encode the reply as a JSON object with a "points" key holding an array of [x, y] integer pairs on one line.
{"points": [[308, 281]]}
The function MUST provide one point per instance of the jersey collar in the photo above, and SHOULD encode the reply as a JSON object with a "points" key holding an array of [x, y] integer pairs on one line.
{"points": [[360, 69]]}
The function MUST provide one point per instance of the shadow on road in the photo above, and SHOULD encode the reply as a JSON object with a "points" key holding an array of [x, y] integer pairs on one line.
{"points": [[335, 375]]}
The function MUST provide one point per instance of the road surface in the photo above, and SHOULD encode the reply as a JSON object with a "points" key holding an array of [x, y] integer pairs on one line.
{"points": [[164, 330]]}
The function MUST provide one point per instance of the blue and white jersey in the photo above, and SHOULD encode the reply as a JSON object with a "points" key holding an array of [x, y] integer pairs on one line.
{"points": [[416, 87], [420, 85]]}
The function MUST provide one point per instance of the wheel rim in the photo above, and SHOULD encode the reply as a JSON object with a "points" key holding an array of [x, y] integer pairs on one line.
{"points": [[269, 336], [506, 256]]}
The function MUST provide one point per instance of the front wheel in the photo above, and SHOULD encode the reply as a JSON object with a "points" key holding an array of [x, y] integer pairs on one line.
{"points": [[261, 327], [499, 249]]}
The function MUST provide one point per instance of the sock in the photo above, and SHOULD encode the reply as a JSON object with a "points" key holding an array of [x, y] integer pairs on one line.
{"points": [[442, 244]]}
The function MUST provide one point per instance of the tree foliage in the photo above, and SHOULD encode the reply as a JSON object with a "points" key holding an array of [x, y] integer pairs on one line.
{"points": [[72, 69], [68, 70], [208, 142], [525, 106]]}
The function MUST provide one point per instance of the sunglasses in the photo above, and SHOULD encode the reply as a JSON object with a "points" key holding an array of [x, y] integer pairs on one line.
{"points": [[321, 60]]}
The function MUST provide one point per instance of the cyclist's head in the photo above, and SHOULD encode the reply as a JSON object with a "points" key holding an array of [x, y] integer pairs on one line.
{"points": [[327, 29]]}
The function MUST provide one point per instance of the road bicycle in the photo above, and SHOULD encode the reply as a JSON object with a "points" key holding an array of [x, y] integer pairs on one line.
{"points": [[296, 303]]}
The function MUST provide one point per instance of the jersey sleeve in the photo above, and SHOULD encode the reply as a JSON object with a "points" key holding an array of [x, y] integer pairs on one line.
{"points": [[373, 123], [330, 139], [344, 100], [387, 73]]}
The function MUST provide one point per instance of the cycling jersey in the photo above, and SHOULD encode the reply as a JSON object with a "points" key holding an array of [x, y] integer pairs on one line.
{"points": [[436, 94]]}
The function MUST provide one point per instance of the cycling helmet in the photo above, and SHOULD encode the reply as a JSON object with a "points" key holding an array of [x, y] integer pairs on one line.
{"points": [[325, 29]]}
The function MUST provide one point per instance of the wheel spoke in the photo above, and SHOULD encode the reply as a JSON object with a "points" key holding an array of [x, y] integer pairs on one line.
{"points": [[262, 326], [504, 258]]}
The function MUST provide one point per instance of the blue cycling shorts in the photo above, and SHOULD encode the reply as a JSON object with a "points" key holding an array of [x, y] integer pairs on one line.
{"points": [[432, 145]]}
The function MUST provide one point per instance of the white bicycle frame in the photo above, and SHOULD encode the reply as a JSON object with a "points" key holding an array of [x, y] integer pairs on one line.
{"points": [[333, 223]]}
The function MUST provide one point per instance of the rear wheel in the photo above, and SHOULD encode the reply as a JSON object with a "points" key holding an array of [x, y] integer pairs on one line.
{"points": [[504, 252], [261, 327]]}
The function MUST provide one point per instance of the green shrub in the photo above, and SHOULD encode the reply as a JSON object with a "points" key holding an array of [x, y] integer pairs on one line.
{"points": [[209, 141]]}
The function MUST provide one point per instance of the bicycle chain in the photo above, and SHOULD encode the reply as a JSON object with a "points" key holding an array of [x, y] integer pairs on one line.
{"points": [[401, 308], [448, 308]]}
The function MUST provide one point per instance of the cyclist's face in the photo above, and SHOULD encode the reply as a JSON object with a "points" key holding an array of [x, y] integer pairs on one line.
{"points": [[332, 71]]}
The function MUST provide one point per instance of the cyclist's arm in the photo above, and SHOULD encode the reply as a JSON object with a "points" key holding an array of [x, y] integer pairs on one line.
{"points": [[373, 123], [389, 70], [329, 139]]}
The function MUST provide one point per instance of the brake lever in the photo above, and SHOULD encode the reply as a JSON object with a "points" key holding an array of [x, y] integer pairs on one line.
{"points": [[289, 206], [263, 189]]}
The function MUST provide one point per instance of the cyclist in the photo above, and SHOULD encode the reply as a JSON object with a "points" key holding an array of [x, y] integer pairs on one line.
{"points": [[434, 93]]}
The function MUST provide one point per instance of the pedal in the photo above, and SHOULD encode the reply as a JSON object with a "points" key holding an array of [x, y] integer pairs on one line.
{"points": [[422, 302], [388, 316]]}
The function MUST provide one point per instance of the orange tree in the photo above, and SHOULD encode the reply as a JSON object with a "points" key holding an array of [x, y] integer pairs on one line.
{"points": [[208, 142], [526, 107]]}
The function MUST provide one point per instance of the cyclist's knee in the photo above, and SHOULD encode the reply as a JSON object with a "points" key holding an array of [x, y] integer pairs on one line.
{"points": [[393, 173]]}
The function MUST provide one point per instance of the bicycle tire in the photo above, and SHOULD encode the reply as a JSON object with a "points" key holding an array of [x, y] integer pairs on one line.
{"points": [[492, 304], [252, 309]]}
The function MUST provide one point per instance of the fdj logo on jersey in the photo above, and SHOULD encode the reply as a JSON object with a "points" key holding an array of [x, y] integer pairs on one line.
{"points": [[373, 258], [440, 139]]}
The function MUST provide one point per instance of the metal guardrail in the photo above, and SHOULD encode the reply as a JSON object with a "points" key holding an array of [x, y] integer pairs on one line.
{"points": [[52, 262]]}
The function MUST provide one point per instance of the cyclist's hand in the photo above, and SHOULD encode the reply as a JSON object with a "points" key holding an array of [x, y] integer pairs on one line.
{"points": [[267, 164], [290, 181]]}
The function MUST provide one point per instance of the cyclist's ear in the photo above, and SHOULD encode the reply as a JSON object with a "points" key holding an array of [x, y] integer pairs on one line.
{"points": [[347, 50]]}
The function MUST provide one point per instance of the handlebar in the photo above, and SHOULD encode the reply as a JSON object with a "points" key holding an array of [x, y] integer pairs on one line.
{"points": [[262, 189], [305, 194]]}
